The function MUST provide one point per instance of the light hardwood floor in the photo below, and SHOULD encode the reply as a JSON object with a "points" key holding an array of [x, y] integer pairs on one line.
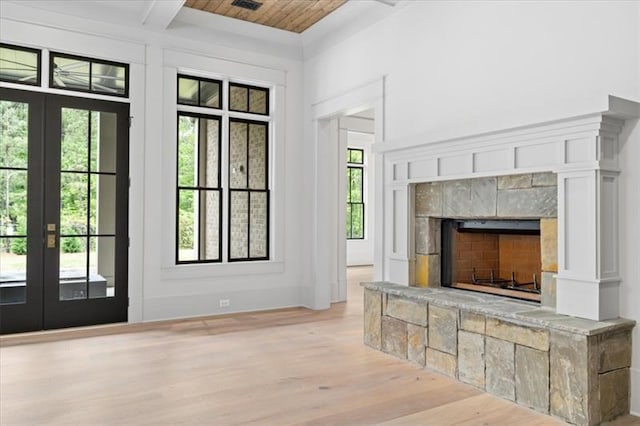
{"points": [[292, 366]]}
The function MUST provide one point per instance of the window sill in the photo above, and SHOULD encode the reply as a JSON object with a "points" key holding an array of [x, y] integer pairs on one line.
{"points": [[199, 270]]}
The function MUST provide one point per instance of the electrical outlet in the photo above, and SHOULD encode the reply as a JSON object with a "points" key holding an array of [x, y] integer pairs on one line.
{"points": [[224, 303]]}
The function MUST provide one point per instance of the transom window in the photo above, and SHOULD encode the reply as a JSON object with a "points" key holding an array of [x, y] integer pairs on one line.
{"points": [[20, 64], [251, 99], [355, 194], [83, 74], [203, 190], [199, 91]]}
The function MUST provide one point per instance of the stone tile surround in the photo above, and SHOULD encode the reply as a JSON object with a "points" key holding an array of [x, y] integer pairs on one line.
{"points": [[571, 368], [521, 196]]}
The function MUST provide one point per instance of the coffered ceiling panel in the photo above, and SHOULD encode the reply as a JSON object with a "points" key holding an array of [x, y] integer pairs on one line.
{"points": [[289, 15]]}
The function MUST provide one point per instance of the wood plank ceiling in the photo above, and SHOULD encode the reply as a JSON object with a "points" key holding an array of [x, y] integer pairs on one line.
{"points": [[289, 15]]}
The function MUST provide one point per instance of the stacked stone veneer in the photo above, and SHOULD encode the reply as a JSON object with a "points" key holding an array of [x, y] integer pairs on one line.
{"points": [[523, 196], [571, 368]]}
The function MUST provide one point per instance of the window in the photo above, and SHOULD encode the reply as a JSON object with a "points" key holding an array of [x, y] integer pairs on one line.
{"points": [[199, 91], [19, 64], [251, 99], [199, 195], [355, 194], [201, 185], [83, 74]]}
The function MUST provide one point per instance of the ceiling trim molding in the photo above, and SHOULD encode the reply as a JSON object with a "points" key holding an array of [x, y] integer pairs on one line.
{"points": [[160, 13]]}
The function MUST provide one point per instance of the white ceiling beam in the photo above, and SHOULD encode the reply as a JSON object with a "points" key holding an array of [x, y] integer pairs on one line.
{"points": [[388, 2], [160, 13]]}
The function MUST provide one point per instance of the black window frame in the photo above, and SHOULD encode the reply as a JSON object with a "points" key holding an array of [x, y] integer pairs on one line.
{"points": [[358, 166], [249, 191], [249, 87], [360, 150], [200, 80], [198, 188], [38, 52], [91, 61]]}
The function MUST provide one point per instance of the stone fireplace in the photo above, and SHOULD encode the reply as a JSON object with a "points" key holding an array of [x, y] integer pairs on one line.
{"points": [[529, 211], [496, 235]]}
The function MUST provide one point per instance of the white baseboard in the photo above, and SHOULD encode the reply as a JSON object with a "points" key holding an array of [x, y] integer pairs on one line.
{"points": [[187, 306]]}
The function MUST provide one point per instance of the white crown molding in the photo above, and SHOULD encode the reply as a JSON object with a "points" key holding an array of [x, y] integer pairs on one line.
{"points": [[347, 20], [236, 33]]}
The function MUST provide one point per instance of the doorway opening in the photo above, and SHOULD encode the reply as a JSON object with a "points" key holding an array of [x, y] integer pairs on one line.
{"points": [[356, 196]]}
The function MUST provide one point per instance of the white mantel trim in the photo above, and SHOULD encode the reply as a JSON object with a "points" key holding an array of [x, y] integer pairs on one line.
{"points": [[581, 150]]}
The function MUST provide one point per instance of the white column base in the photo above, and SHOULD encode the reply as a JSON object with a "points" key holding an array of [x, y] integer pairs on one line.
{"points": [[595, 300], [398, 271]]}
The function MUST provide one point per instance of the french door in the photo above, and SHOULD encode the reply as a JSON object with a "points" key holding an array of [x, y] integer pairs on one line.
{"points": [[63, 211]]}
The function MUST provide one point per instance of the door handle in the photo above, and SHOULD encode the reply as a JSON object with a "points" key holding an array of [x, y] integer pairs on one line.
{"points": [[51, 235]]}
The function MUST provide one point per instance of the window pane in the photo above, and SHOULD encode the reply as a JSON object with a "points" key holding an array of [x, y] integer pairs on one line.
{"points": [[357, 220], [13, 202], [355, 192], [355, 156], [238, 98], [239, 221], [71, 73], [75, 137], [257, 156], [73, 268], [209, 225], [209, 139], [102, 270], [187, 154], [14, 134], [187, 91], [103, 141], [73, 203], [13, 270], [258, 101], [349, 220], [210, 94], [237, 154], [187, 225], [258, 224], [108, 78], [103, 204], [19, 66]]}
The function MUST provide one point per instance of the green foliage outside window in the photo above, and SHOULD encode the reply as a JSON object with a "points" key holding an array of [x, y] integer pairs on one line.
{"points": [[355, 196], [13, 183], [187, 132], [75, 194]]}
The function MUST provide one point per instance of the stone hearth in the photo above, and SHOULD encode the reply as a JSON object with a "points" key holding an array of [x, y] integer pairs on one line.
{"points": [[575, 369]]}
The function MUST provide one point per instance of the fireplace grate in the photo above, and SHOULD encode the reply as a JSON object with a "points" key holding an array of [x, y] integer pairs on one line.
{"points": [[505, 251]]}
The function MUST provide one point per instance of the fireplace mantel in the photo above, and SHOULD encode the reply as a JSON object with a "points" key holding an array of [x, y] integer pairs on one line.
{"points": [[582, 151]]}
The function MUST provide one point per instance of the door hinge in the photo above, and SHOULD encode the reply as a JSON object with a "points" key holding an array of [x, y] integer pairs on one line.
{"points": [[129, 242], [130, 121], [128, 302]]}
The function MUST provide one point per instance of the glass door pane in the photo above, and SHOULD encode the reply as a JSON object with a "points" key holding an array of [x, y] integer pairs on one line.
{"points": [[87, 204], [14, 138]]}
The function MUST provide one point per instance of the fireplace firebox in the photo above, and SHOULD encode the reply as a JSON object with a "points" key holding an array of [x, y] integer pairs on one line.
{"points": [[499, 256]]}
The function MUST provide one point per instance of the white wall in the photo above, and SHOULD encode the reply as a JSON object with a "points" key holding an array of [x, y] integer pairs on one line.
{"points": [[460, 68], [158, 288]]}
